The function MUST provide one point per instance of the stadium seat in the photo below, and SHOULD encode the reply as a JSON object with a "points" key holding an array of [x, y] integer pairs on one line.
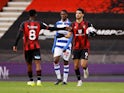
{"points": [[18, 4], [11, 12], [95, 6], [12, 9]]}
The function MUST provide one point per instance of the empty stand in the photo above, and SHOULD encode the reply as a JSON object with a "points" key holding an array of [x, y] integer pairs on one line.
{"points": [[93, 6], [3, 3], [10, 13]]}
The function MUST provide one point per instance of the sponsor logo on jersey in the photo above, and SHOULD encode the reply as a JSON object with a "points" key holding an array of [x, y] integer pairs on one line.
{"points": [[37, 57]]}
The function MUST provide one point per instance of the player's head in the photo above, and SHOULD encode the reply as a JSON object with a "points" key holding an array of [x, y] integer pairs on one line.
{"points": [[32, 13], [79, 13], [64, 14]]}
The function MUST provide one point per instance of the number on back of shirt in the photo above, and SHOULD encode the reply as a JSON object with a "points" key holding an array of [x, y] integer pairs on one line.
{"points": [[86, 55], [32, 35]]}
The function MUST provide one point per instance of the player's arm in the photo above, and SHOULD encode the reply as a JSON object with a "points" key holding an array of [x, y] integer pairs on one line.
{"points": [[68, 35], [69, 41], [18, 37], [70, 31], [54, 44], [55, 28], [91, 31], [45, 26], [59, 35]]}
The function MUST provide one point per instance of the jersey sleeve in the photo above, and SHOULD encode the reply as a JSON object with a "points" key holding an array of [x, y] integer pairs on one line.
{"points": [[55, 28], [43, 25], [54, 44], [19, 34], [55, 25], [21, 27], [69, 41]]}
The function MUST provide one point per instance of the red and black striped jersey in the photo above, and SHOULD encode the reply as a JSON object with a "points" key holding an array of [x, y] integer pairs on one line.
{"points": [[31, 29], [80, 38]]}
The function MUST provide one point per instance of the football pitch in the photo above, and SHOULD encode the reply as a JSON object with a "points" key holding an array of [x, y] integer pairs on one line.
{"points": [[49, 87]]}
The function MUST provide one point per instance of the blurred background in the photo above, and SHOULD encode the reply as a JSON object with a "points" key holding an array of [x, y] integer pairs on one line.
{"points": [[107, 48]]}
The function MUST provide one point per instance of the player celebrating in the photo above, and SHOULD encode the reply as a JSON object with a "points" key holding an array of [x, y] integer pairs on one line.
{"points": [[30, 30], [62, 47], [80, 30]]}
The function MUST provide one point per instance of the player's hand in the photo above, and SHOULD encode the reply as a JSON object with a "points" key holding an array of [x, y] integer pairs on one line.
{"points": [[14, 48], [60, 35], [69, 28], [92, 34]]}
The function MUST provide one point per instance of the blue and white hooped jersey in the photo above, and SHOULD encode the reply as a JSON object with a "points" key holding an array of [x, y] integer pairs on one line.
{"points": [[63, 42]]}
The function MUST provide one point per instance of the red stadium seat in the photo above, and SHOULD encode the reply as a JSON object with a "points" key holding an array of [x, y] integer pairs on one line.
{"points": [[94, 6], [3, 3]]}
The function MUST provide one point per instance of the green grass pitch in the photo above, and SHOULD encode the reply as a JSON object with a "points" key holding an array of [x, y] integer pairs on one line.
{"points": [[49, 87]]}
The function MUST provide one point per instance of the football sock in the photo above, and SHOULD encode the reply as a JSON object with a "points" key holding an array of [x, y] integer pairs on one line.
{"points": [[77, 72], [30, 76], [57, 71], [85, 68], [65, 73], [39, 75]]}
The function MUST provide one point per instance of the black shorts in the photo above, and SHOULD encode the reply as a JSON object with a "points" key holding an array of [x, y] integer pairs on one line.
{"points": [[80, 54], [32, 55]]}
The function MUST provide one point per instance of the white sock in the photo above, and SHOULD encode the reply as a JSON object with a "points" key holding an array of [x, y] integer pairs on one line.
{"points": [[57, 71], [65, 73]]}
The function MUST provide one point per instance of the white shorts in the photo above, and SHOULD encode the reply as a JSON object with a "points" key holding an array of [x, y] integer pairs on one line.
{"points": [[59, 52]]}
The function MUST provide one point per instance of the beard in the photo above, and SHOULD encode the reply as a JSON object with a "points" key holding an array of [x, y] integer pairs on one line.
{"points": [[78, 18]]}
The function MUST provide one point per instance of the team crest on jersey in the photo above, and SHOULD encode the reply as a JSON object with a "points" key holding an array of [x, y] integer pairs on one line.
{"points": [[79, 31]]}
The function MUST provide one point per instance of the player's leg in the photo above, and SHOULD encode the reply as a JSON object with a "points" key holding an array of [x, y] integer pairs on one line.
{"points": [[84, 62], [29, 68], [76, 59], [57, 54], [28, 58], [66, 56], [37, 60], [65, 72], [57, 70], [77, 71], [30, 74], [85, 68], [38, 72]]}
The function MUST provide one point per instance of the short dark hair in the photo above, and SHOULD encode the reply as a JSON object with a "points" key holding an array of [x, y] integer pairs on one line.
{"points": [[82, 10], [32, 12], [64, 11]]}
